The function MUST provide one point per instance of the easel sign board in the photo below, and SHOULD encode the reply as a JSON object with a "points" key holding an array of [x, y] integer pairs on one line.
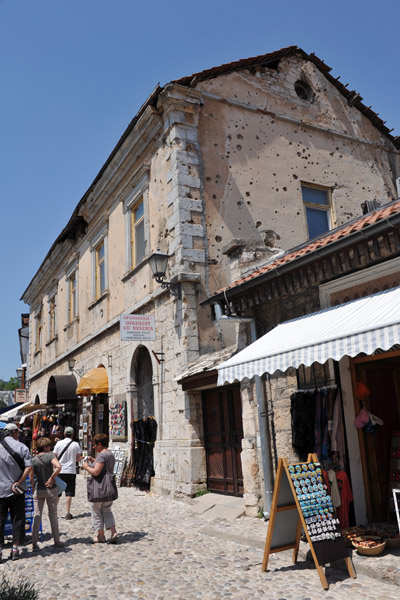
{"points": [[300, 502], [286, 519]]}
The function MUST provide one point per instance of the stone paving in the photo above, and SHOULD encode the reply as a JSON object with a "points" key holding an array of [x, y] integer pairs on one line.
{"points": [[166, 552]]}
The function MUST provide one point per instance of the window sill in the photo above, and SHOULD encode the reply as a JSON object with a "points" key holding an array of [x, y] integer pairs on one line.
{"points": [[53, 339], [70, 324], [132, 271], [99, 299]]}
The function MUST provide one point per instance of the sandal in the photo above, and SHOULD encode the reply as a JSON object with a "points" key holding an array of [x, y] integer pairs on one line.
{"points": [[99, 540], [113, 539]]}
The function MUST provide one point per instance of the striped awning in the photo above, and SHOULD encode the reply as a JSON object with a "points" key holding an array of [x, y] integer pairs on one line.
{"points": [[360, 326]]}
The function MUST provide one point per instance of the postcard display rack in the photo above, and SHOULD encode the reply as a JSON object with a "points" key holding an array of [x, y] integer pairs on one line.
{"points": [[394, 482], [120, 461], [85, 427], [118, 430], [300, 501]]}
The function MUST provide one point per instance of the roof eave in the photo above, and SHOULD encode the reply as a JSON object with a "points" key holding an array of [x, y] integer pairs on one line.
{"points": [[367, 232]]}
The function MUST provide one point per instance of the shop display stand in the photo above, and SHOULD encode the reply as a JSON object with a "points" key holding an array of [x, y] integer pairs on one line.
{"points": [[120, 460], [28, 514], [394, 479], [396, 502], [287, 520]]}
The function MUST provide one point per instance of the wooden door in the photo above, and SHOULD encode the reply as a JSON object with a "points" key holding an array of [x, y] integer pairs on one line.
{"points": [[383, 379], [223, 434]]}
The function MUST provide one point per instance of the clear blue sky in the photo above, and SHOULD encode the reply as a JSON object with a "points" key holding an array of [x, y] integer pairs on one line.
{"points": [[75, 72]]}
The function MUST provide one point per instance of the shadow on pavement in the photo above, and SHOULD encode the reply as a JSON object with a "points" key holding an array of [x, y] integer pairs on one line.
{"points": [[130, 536], [80, 516]]}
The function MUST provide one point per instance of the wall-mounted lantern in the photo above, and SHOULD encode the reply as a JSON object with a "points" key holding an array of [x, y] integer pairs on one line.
{"points": [[158, 264], [71, 367]]}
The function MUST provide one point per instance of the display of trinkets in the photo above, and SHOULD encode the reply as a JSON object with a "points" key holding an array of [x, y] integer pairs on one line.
{"points": [[118, 429], [316, 505]]}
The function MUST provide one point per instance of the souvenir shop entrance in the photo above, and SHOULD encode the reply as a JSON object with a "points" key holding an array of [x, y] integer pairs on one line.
{"points": [[381, 376], [94, 413], [47, 420], [318, 426], [93, 418]]}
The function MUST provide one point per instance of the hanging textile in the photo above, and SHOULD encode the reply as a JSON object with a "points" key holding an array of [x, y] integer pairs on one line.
{"points": [[144, 435], [338, 445], [303, 413], [335, 493], [346, 496]]}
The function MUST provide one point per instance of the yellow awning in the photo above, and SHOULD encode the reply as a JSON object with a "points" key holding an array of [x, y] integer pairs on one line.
{"points": [[94, 381]]}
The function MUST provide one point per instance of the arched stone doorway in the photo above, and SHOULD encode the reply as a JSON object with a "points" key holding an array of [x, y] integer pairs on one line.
{"points": [[142, 380]]}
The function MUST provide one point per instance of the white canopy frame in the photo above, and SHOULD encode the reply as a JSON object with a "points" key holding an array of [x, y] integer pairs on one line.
{"points": [[359, 326]]}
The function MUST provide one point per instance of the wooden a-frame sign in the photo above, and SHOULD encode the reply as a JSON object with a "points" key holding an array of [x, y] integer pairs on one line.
{"points": [[287, 520]]}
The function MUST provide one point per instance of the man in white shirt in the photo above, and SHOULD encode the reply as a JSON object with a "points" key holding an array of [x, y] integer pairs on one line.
{"points": [[68, 452]]}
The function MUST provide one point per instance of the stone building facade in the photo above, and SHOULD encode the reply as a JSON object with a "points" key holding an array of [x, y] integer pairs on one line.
{"points": [[214, 170]]}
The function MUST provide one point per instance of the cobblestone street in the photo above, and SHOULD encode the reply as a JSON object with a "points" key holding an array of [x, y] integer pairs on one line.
{"points": [[167, 552]]}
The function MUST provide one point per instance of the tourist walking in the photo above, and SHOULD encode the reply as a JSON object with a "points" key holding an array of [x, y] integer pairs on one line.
{"points": [[68, 452], [102, 516], [46, 468], [15, 467]]}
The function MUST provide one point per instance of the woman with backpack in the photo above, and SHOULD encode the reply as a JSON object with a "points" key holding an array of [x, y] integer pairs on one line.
{"points": [[46, 467]]}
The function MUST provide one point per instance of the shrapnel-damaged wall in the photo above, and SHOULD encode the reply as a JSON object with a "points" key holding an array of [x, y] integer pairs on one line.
{"points": [[260, 141]]}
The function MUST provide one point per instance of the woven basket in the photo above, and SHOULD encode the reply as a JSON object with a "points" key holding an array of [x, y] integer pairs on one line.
{"points": [[370, 551], [354, 533]]}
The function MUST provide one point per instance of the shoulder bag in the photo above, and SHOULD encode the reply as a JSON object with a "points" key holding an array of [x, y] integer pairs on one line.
{"points": [[61, 485], [103, 487], [18, 459]]}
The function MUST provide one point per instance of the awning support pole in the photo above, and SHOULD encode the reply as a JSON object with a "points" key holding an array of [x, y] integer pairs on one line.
{"points": [[264, 446], [264, 438]]}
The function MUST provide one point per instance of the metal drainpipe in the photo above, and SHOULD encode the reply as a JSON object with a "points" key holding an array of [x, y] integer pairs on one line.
{"points": [[264, 439], [262, 414]]}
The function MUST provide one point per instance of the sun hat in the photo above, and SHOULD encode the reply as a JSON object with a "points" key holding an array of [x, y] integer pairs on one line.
{"points": [[11, 427]]}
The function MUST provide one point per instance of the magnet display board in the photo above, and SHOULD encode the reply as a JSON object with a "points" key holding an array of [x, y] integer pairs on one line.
{"points": [[301, 502]]}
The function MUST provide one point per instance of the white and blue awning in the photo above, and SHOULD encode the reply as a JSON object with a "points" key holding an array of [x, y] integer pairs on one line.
{"points": [[12, 412], [360, 326]]}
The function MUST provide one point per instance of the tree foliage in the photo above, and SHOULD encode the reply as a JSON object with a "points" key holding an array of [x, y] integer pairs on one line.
{"points": [[12, 384], [17, 588]]}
